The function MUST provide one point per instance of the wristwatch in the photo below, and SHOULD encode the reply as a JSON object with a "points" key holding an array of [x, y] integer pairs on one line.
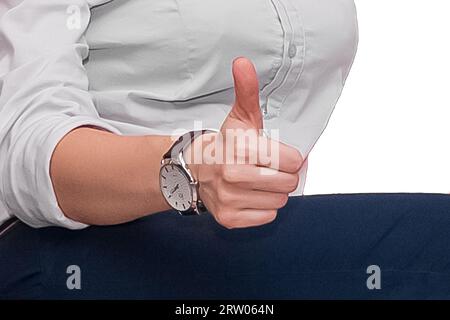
{"points": [[177, 184]]}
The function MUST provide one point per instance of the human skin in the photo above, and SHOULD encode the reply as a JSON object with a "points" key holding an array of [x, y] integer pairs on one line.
{"points": [[101, 178]]}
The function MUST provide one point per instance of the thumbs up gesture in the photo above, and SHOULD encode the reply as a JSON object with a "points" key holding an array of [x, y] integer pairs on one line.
{"points": [[242, 189], [246, 112]]}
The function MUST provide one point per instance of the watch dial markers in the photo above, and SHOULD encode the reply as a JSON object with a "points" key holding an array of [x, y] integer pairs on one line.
{"points": [[175, 187]]}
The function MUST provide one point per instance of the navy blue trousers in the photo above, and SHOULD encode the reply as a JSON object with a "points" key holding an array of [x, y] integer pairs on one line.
{"points": [[319, 247]]}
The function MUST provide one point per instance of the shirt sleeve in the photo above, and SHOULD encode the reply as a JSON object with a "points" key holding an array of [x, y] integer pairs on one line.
{"points": [[43, 96]]}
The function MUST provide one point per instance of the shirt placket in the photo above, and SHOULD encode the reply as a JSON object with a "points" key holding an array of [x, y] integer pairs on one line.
{"points": [[289, 69]]}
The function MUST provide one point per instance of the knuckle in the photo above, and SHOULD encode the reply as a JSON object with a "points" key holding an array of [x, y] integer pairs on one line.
{"points": [[229, 174], [271, 216], [228, 226], [298, 160], [293, 182], [225, 220], [220, 217], [282, 200]]}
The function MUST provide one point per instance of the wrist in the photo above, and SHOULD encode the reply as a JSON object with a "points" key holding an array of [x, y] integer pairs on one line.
{"points": [[194, 154]]}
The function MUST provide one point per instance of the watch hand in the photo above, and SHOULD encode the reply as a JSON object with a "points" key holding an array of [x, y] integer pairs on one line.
{"points": [[175, 189]]}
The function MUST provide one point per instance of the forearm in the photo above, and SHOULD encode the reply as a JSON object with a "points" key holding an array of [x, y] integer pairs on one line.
{"points": [[101, 178]]}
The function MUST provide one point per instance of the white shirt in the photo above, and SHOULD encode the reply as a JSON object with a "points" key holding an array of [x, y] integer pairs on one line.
{"points": [[143, 67]]}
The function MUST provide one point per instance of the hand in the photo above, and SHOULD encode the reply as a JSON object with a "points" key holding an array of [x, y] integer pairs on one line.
{"points": [[245, 193]]}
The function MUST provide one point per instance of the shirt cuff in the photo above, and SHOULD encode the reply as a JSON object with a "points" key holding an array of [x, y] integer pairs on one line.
{"points": [[29, 194]]}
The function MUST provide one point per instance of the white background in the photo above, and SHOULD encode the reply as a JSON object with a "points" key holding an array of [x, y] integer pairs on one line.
{"points": [[390, 131]]}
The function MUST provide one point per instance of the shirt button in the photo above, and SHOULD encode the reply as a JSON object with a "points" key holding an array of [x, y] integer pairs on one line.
{"points": [[292, 51]]}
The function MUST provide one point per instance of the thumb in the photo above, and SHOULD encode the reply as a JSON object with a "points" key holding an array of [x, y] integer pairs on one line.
{"points": [[246, 107]]}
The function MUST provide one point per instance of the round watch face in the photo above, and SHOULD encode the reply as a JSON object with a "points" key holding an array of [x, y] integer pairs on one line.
{"points": [[175, 187]]}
